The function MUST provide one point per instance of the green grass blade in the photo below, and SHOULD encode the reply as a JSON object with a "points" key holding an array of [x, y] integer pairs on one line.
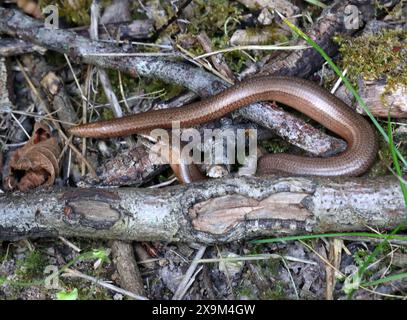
{"points": [[386, 279], [332, 235]]}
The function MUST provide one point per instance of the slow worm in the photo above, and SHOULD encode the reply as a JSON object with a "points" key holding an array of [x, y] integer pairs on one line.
{"points": [[299, 94]]}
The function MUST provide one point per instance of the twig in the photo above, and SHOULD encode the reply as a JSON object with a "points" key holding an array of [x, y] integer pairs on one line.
{"points": [[77, 274], [131, 54], [252, 47], [163, 184], [70, 244], [258, 257], [186, 213], [185, 283], [171, 20], [104, 79], [291, 279], [20, 125], [218, 60], [85, 110], [126, 265]]}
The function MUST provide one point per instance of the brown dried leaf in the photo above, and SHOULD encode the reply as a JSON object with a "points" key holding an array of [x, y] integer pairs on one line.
{"points": [[30, 7], [36, 163]]}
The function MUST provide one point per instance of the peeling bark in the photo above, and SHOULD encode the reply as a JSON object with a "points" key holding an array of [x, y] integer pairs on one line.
{"points": [[213, 211]]}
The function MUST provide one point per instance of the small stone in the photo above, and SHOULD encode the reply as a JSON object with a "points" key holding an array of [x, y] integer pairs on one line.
{"points": [[51, 251], [171, 278], [118, 296], [162, 262], [265, 17]]}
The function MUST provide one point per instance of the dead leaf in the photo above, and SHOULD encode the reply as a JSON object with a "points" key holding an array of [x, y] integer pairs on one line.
{"points": [[30, 7], [36, 163]]}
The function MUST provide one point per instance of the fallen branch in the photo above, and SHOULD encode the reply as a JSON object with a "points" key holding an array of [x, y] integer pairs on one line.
{"points": [[11, 47], [127, 268], [213, 211]]}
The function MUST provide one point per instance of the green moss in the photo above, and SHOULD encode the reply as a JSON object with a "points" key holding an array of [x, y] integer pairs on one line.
{"points": [[210, 16], [129, 83], [275, 293], [381, 168], [377, 56], [246, 293], [275, 146], [234, 59], [32, 266], [269, 270], [360, 256], [29, 273], [396, 12], [87, 291], [171, 90], [132, 85]]}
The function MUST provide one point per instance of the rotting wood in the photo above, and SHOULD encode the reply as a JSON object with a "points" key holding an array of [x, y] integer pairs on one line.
{"points": [[382, 103]]}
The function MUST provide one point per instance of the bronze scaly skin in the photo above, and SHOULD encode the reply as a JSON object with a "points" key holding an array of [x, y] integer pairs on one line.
{"points": [[302, 95]]}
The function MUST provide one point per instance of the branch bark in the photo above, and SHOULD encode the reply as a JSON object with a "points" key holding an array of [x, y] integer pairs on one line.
{"points": [[11, 47], [382, 103], [221, 210]]}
